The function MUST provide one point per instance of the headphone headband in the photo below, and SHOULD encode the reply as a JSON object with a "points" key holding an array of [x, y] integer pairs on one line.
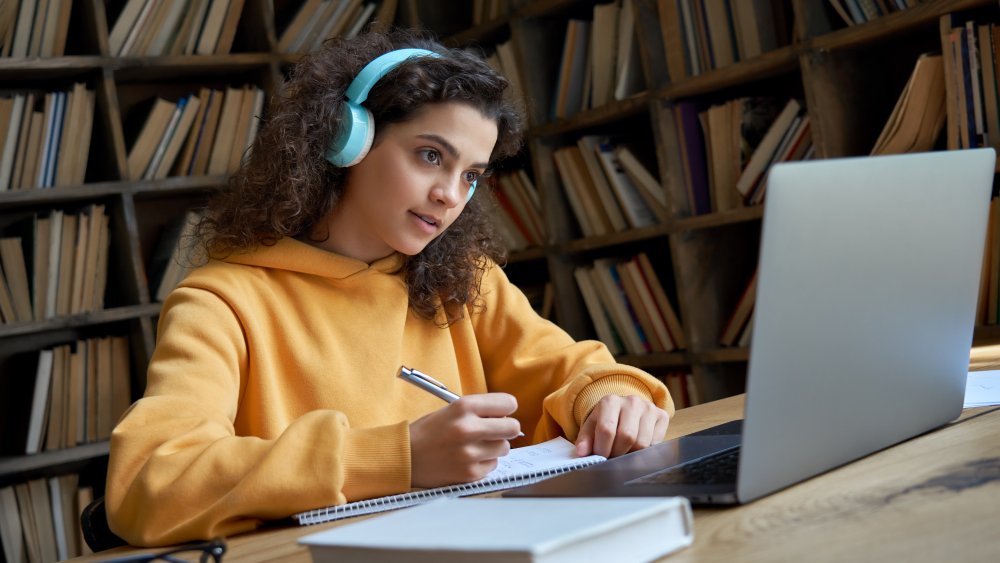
{"points": [[357, 92]]}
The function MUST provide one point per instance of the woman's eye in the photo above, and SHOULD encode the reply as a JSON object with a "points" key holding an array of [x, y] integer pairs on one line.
{"points": [[432, 156], [471, 176]]}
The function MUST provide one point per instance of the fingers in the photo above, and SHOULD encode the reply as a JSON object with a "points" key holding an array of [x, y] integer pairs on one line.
{"points": [[486, 416], [618, 425], [489, 405]]}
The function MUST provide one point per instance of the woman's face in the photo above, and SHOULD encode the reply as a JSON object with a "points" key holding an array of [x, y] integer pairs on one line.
{"points": [[413, 183]]}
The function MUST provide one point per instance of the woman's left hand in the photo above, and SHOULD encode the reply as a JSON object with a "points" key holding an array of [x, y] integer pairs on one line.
{"points": [[619, 425]]}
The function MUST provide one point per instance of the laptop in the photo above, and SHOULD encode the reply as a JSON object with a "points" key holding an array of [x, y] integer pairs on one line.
{"points": [[869, 274]]}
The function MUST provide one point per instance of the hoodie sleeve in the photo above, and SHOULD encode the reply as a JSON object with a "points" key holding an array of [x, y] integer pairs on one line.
{"points": [[179, 471], [557, 381]]}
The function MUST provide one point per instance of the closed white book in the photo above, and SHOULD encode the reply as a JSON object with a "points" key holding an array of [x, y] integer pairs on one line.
{"points": [[539, 530]]}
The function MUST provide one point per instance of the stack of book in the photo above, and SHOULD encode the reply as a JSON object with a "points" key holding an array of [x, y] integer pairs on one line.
{"points": [[34, 28], [919, 115], [45, 138], [854, 12], [67, 257], [608, 188], [600, 60], [702, 35], [505, 61], [40, 519], [629, 306], [80, 391], [736, 331], [683, 389], [154, 28], [518, 215], [970, 64], [208, 133], [319, 20], [727, 149]]}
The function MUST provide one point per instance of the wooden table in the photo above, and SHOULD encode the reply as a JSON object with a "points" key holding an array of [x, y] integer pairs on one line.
{"points": [[933, 498]]}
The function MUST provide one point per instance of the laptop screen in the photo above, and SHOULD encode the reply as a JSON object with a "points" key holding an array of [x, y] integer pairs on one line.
{"points": [[868, 279]]}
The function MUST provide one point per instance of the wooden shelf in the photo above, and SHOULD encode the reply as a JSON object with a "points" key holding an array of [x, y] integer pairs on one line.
{"points": [[84, 319], [11, 466], [656, 361], [780, 61], [606, 241], [712, 220], [722, 355], [884, 28], [96, 190], [609, 113]]}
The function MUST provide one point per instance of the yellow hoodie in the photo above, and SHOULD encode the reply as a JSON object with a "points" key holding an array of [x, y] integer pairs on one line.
{"points": [[273, 389]]}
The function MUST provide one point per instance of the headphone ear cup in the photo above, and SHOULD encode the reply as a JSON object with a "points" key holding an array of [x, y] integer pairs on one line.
{"points": [[355, 138]]}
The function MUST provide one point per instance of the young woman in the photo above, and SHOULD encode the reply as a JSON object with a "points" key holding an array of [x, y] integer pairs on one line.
{"points": [[273, 388]]}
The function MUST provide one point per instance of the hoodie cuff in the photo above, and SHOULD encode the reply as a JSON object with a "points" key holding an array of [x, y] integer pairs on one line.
{"points": [[377, 461]]}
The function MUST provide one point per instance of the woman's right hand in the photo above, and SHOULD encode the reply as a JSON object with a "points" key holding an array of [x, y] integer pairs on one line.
{"points": [[461, 442]]}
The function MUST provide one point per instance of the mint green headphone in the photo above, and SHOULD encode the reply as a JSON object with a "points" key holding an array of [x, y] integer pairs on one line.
{"points": [[357, 132]]}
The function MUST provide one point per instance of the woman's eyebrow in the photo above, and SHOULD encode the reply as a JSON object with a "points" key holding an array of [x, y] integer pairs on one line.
{"points": [[450, 148]]}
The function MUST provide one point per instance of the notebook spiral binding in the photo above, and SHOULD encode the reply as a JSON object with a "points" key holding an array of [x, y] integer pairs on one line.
{"points": [[402, 500]]}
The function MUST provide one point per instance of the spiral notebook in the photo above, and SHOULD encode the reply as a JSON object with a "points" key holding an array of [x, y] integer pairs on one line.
{"points": [[522, 466]]}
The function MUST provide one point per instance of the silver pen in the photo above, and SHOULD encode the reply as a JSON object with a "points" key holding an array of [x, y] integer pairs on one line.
{"points": [[431, 385]]}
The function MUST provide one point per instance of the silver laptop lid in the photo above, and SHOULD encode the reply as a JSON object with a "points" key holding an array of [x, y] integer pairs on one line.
{"points": [[866, 298]]}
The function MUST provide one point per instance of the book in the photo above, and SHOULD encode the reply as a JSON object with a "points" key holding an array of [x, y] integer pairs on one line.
{"points": [[740, 315], [612, 294], [919, 114], [522, 466], [124, 23], [603, 54], [31, 126], [39, 403], [171, 259], [662, 303], [675, 52], [635, 206], [228, 31], [206, 137], [226, 132], [588, 145], [303, 16], [58, 400], [628, 68], [11, 534], [164, 142], [645, 184], [16, 272], [212, 27], [178, 136], [506, 529], [155, 126], [599, 314], [12, 133], [574, 194], [762, 156]]}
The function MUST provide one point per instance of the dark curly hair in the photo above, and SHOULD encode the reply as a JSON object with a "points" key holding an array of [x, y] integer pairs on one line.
{"points": [[286, 185]]}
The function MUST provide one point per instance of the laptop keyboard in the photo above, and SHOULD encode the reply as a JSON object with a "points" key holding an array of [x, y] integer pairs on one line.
{"points": [[713, 469]]}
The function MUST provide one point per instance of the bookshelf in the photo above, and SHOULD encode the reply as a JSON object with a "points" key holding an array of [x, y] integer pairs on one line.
{"points": [[848, 77], [139, 211]]}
